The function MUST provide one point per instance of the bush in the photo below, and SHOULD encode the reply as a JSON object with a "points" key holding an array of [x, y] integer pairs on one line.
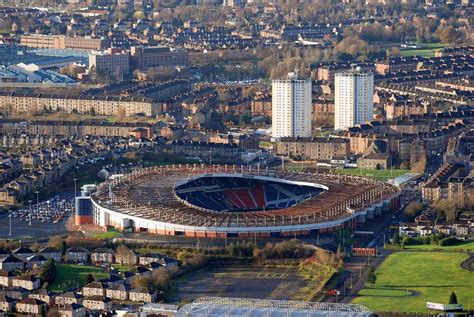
{"points": [[448, 241], [412, 241]]}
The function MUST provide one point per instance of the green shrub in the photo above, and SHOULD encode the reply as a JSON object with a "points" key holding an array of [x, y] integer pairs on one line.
{"points": [[448, 241], [412, 241]]}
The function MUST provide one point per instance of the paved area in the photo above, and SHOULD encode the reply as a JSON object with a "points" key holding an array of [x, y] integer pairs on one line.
{"points": [[281, 283], [22, 229]]}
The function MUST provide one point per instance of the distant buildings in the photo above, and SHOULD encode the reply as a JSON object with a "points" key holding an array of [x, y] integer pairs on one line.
{"points": [[291, 107], [63, 42], [110, 61], [156, 56], [353, 94]]}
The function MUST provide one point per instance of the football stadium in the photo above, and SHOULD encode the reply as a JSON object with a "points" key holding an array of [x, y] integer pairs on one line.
{"points": [[222, 201]]}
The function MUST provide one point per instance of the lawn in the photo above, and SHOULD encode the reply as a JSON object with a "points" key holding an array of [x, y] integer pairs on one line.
{"points": [[379, 174], [107, 235], [458, 247], [425, 50], [428, 276], [70, 276]]}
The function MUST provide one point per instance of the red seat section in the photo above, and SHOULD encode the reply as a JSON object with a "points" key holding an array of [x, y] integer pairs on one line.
{"points": [[231, 196], [258, 196], [244, 196]]}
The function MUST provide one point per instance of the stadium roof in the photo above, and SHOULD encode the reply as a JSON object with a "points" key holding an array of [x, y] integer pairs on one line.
{"points": [[235, 307]]}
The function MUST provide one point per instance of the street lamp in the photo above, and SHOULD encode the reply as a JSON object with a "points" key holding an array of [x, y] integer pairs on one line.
{"points": [[37, 202], [10, 216], [29, 201], [75, 186]]}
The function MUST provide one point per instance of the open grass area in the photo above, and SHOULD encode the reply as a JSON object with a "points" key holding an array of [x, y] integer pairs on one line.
{"points": [[463, 246], [427, 276], [425, 50], [379, 174], [107, 235], [71, 275]]}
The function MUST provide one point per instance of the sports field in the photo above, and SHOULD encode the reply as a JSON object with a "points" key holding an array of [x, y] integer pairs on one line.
{"points": [[407, 280], [379, 174], [70, 276]]}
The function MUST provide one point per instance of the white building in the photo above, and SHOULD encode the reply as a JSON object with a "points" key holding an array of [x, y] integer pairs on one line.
{"points": [[291, 107], [354, 93]]}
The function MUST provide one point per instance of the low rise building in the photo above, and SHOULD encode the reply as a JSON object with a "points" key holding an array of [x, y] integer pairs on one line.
{"points": [[102, 255], [318, 148], [77, 255], [31, 306], [73, 310], [97, 303], [94, 289], [11, 263], [29, 282], [142, 294]]}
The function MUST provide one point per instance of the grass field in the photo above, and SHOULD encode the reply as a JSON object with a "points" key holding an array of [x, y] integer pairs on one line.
{"points": [[427, 276], [469, 246], [70, 276], [425, 50], [107, 235], [379, 174]]}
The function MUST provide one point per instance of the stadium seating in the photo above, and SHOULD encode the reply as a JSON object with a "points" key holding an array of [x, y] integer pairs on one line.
{"points": [[236, 193]]}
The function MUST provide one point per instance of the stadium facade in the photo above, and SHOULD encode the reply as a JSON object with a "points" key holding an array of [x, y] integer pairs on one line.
{"points": [[233, 201]]}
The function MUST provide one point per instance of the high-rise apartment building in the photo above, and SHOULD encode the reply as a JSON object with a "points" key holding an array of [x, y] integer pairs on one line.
{"points": [[291, 107], [353, 93]]}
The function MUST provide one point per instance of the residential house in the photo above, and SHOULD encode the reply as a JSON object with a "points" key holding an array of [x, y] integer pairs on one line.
{"points": [[118, 292], [94, 289], [127, 257], [6, 278], [29, 282], [67, 299], [77, 255], [11, 263], [142, 294], [73, 310], [35, 261], [424, 231], [97, 303], [17, 293], [51, 253], [43, 295], [23, 253], [6, 303], [148, 258], [102, 255], [31, 306]]}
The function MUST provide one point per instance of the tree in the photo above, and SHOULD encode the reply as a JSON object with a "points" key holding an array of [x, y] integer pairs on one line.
{"points": [[245, 118], [371, 276], [89, 278], [396, 238], [48, 272], [446, 209], [121, 113], [453, 299], [63, 246], [412, 210]]}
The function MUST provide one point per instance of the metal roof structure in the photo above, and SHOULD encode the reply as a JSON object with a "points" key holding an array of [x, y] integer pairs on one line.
{"points": [[235, 307]]}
